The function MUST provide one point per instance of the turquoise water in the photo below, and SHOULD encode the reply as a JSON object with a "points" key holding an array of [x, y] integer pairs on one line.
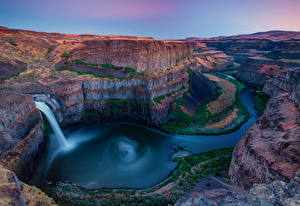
{"points": [[123, 155]]}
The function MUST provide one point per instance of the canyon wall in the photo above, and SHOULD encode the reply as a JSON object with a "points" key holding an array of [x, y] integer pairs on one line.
{"points": [[29, 72], [257, 70], [270, 148], [163, 65], [141, 55], [13, 192], [20, 130], [128, 99], [286, 82]]}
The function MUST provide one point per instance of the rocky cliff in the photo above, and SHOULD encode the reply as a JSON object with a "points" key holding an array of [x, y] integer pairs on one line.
{"points": [[158, 69], [286, 82], [270, 149], [141, 55], [275, 193], [257, 70], [20, 130], [14, 192]]}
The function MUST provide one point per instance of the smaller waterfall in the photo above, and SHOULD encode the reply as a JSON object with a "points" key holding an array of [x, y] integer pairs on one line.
{"points": [[43, 107]]}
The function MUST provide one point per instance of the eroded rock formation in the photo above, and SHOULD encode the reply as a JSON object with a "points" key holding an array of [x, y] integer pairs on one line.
{"points": [[13, 192], [270, 149], [20, 130]]}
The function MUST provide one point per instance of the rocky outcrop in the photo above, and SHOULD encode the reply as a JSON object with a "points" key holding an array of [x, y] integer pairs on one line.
{"points": [[286, 82], [261, 55], [259, 44], [13, 192], [275, 193], [141, 55], [132, 98], [20, 130], [210, 59], [258, 70], [10, 189], [270, 149]]}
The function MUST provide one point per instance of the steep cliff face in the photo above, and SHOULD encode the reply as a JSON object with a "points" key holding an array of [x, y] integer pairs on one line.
{"points": [[261, 55], [161, 65], [275, 193], [13, 192], [128, 99], [10, 189], [259, 44], [141, 55], [270, 149], [20, 130], [286, 82], [259, 69]]}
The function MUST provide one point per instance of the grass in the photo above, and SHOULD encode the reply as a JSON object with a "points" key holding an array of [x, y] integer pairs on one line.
{"points": [[189, 170], [194, 124], [260, 102], [10, 41]]}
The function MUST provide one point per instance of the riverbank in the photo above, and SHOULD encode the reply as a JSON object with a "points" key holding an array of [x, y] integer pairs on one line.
{"points": [[189, 170], [224, 114]]}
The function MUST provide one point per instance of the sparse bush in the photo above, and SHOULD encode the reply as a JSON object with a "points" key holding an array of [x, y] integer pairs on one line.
{"points": [[10, 41], [65, 55]]}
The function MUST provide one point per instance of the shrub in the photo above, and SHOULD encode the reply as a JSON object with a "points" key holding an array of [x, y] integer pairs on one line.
{"points": [[65, 54], [260, 102], [77, 61], [11, 41]]}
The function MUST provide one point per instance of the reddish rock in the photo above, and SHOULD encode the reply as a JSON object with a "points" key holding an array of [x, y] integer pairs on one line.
{"points": [[285, 82], [270, 149], [10, 189], [20, 130]]}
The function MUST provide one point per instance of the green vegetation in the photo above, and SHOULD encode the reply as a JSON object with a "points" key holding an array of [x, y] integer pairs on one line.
{"points": [[90, 113], [189, 170], [214, 64], [46, 126], [118, 108], [10, 41], [260, 102], [109, 66], [77, 61], [193, 124], [190, 71], [65, 55], [158, 99], [109, 76], [129, 72]]}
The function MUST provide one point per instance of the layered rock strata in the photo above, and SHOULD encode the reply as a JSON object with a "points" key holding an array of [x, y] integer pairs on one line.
{"points": [[20, 130], [270, 149], [258, 70], [286, 82], [13, 192], [274, 193]]}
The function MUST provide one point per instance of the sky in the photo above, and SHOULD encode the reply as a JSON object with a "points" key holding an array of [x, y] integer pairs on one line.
{"points": [[161, 19]]}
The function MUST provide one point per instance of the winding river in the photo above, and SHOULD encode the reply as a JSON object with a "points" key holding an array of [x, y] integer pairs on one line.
{"points": [[123, 155]]}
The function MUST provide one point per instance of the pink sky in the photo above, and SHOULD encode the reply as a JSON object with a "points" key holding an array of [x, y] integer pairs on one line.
{"points": [[157, 18]]}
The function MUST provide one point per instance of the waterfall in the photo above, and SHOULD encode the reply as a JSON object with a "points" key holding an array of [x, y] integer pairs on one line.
{"points": [[60, 137]]}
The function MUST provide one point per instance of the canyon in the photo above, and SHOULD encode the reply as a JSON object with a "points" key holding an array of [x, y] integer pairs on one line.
{"points": [[162, 84]]}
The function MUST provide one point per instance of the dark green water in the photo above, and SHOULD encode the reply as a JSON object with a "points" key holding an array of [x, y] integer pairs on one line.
{"points": [[123, 155]]}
